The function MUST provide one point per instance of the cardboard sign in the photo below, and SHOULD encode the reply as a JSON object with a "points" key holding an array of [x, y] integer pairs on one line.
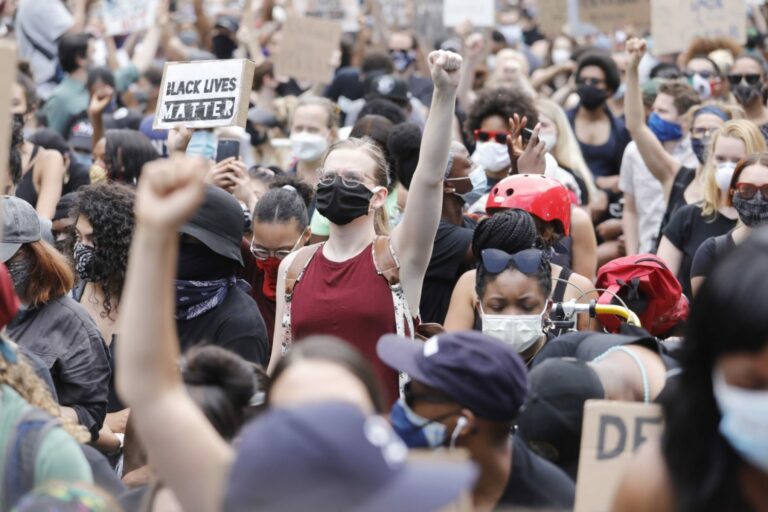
{"points": [[675, 24], [344, 11], [306, 49], [481, 13], [7, 69], [608, 16], [128, 16], [204, 94], [396, 14], [553, 16], [611, 433]]}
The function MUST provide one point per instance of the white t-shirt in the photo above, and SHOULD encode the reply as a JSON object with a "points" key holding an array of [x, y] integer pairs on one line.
{"points": [[44, 22], [636, 179]]}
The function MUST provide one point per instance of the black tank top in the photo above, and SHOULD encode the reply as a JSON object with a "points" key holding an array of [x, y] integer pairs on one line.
{"points": [[677, 195], [26, 188]]}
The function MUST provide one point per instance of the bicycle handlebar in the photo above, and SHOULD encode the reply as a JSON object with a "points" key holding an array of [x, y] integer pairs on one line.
{"points": [[568, 309]]}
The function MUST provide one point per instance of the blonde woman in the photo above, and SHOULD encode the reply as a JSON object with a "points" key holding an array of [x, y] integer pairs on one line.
{"points": [[561, 143], [694, 223]]}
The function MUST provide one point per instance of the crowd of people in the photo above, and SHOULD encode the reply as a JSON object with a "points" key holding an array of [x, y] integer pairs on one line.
{"points": [[393, 291]]}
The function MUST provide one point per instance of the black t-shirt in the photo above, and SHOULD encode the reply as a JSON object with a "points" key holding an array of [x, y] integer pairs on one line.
{"points": [[709, 253], [687, 230], [683, 178], [586, 346], [445, 267], [235, 324], [535, 482]]}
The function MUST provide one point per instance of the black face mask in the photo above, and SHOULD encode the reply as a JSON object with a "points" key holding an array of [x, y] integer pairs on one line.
{"points": [[745, 94], [752, 212], [591, 97], [341, 204], [198, 263], [223, 46]]}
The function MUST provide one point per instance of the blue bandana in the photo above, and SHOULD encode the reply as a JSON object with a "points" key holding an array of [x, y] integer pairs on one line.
{"points": [[664, 130]]}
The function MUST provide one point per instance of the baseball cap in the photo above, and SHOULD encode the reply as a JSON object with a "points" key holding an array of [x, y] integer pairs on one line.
{"points": [[21, 225], [550, 421], [227, 22], [475, 370], [219, 224], [332, 457], [389, 87], [81, 136]]}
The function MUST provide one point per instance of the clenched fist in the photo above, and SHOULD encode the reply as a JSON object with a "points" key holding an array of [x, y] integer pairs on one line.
{"points": [[170, 191], [446, 69]]}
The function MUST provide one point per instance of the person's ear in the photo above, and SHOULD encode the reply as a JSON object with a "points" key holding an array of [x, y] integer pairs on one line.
{"points": [[306, 237], [379, 197], [466, 424]]}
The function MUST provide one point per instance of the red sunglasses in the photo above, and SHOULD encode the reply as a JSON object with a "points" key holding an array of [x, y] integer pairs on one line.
{"points": [[486, 135], [748, 190]]}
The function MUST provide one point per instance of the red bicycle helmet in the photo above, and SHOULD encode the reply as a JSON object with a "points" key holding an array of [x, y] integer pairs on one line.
{"points": [[538, 195]]}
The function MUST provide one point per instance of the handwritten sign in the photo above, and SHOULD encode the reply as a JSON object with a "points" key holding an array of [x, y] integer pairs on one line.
{"points": [[675, 24], [128, 16], [481, 13], [553, 16], [609, 16], [7, 69], [306, 49], [204, 94], [612, 432], [344, 11]]}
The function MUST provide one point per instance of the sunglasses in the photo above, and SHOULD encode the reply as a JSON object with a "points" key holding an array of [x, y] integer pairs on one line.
{"points": [[590, 81], [703, 74], [748, 190], [496, 261], [487, 135], [751, 78]]}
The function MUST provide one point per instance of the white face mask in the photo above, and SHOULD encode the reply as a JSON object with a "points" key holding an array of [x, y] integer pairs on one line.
{"points": [[744, 422], [549, 140], [560, 56], [519, 331], [723, 175], [308, 147], [491, 156]]}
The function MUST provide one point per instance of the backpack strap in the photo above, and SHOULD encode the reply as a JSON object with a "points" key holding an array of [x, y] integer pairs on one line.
{"points": [[293, 275], [21, 451]]}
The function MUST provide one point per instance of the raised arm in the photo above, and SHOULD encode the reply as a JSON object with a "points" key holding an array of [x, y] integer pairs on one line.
{"points": [[414, 236], [194, 464], [658, 161]]}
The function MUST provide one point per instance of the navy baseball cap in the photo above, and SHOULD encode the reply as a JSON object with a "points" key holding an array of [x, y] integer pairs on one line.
{"points": [[475, 370], [331, 457]]}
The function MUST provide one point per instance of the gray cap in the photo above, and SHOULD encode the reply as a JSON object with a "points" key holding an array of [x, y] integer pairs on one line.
{"points": [[21, 225]]}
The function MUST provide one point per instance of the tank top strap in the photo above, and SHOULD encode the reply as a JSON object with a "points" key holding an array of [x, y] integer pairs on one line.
{"points": [[558, 294]]}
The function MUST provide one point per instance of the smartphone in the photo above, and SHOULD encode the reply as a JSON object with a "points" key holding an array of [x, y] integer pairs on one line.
{"points": [[227, 148], [526, 135]]}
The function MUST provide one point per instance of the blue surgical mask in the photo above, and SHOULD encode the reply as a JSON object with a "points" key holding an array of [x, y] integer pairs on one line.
{"points": [[744, 420], [203, 143], [414, 430], [664, 130]]}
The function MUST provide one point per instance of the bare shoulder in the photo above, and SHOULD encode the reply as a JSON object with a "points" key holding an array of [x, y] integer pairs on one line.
{"points": [[580, 219], [645, 485]]}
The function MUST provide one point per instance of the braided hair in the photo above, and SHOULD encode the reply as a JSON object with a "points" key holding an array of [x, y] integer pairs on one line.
{"points": [[511, 231]]}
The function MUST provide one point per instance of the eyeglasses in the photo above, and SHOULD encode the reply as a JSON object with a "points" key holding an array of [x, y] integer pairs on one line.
{"points": [[751, 78], [748, 190], [348, 178], [496, 261], [703, 133], [590, 81], [486, 135], [703, 74], [260, 253]]}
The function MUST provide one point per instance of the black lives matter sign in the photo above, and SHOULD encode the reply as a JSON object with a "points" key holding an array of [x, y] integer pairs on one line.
{"points": [[205, 94]]}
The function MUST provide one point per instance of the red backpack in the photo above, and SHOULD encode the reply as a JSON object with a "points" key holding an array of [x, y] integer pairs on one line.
{"points": [[648, 287]]}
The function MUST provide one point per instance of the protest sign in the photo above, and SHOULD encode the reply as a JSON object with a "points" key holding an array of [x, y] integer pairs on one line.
{"points": [[344, 11], [675, 24], [306, 49], [481, 13], [7, 69], [611, 433], [553, 16], [128, 16], [396, 14], [204, 94], [608, 16]]}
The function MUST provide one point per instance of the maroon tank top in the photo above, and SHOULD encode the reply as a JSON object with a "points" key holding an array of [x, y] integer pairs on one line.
{"points": [[348, 299]]}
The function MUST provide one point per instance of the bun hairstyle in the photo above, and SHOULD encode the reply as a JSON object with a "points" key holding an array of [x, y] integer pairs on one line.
{"points": [[222, 384], [404, 144]]}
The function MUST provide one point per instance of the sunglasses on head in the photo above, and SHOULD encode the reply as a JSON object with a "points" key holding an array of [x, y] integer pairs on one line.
{"points": [[749, 190], [496, 261], [751, 78], [488, 135]]}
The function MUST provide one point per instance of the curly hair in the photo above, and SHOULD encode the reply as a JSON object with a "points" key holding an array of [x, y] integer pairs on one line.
{"points": [[109, 209], [23, 379], [503, 102]]}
